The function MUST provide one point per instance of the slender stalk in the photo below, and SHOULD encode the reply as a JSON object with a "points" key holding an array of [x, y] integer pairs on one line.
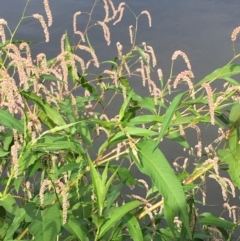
{"points": [[9, 180], [21, 235]]}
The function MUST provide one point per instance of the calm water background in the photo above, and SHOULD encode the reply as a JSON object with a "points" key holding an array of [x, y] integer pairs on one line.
{"points": [[201, 28]]}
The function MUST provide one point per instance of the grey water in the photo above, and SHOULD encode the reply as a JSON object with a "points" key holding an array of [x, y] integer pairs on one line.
{"points": [[201, 29]]}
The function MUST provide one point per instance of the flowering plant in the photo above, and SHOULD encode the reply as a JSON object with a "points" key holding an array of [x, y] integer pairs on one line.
{"points": [[58, 183]]}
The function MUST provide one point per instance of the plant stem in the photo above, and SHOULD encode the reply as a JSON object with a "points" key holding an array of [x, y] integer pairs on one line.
{"points": [[8, 182]]}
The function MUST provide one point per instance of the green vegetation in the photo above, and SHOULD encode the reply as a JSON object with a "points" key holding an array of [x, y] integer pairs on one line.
{"points": [[67, 161]]}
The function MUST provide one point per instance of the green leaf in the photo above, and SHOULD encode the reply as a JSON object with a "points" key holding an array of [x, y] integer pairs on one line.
{"points": [[233, 161], [138, 131], [148, 104], [124, 106], [43, 117], [33, 168], [49, 227], [9, 203], [83, 129], [231, 81], [200, 236], [27, 159], [68, 167], [125, 176], [98, 187], [105, 124], [152, 190], [8, 120], [125, 82], [222, 117], [49, 76], [57, 129], [177, 137], [113, 63], [55, 143], [134, 131], [17, 183], [169, 215], [101, 184], [168, 116], [8, 139], [183, 120], [113, 193], [15, 224], [109, 181], [32, 212], [154, 164], [233, 140], [52, 113], [234, 113], [190, 102], [133, 227], [143, 119], [74, 227], [221, 73], [67, 46], [3, 153], [97, 220], [210, 219], [223, 232], [142, 54], [67, 109], [85, 84], [116, 215], [88, 42], [21, 240]]}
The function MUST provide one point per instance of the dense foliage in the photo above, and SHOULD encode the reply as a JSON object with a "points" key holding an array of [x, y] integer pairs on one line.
{"points": [[68, 162]]}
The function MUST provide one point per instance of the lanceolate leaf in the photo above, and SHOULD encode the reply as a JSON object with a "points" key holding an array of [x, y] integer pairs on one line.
{"points": [[231, 81], [116, 215], [73, 227], [169, 215], [8, 120], [134, 131], [148, 104], [233, 161], [85, 84], [101, 184], [176, 137], [233, 140], [138, 131], [49, 226], [146, 119], [15, 224], [210, 219], [67, 45], [42, 116], [27, 159], [154, 164], [3, 153], [10, 205], [133, 227], [222, 73], [234, 114], [140, 51], [98, 186], [56, 143], [168, 116], [52, 113], [124, 106]]}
